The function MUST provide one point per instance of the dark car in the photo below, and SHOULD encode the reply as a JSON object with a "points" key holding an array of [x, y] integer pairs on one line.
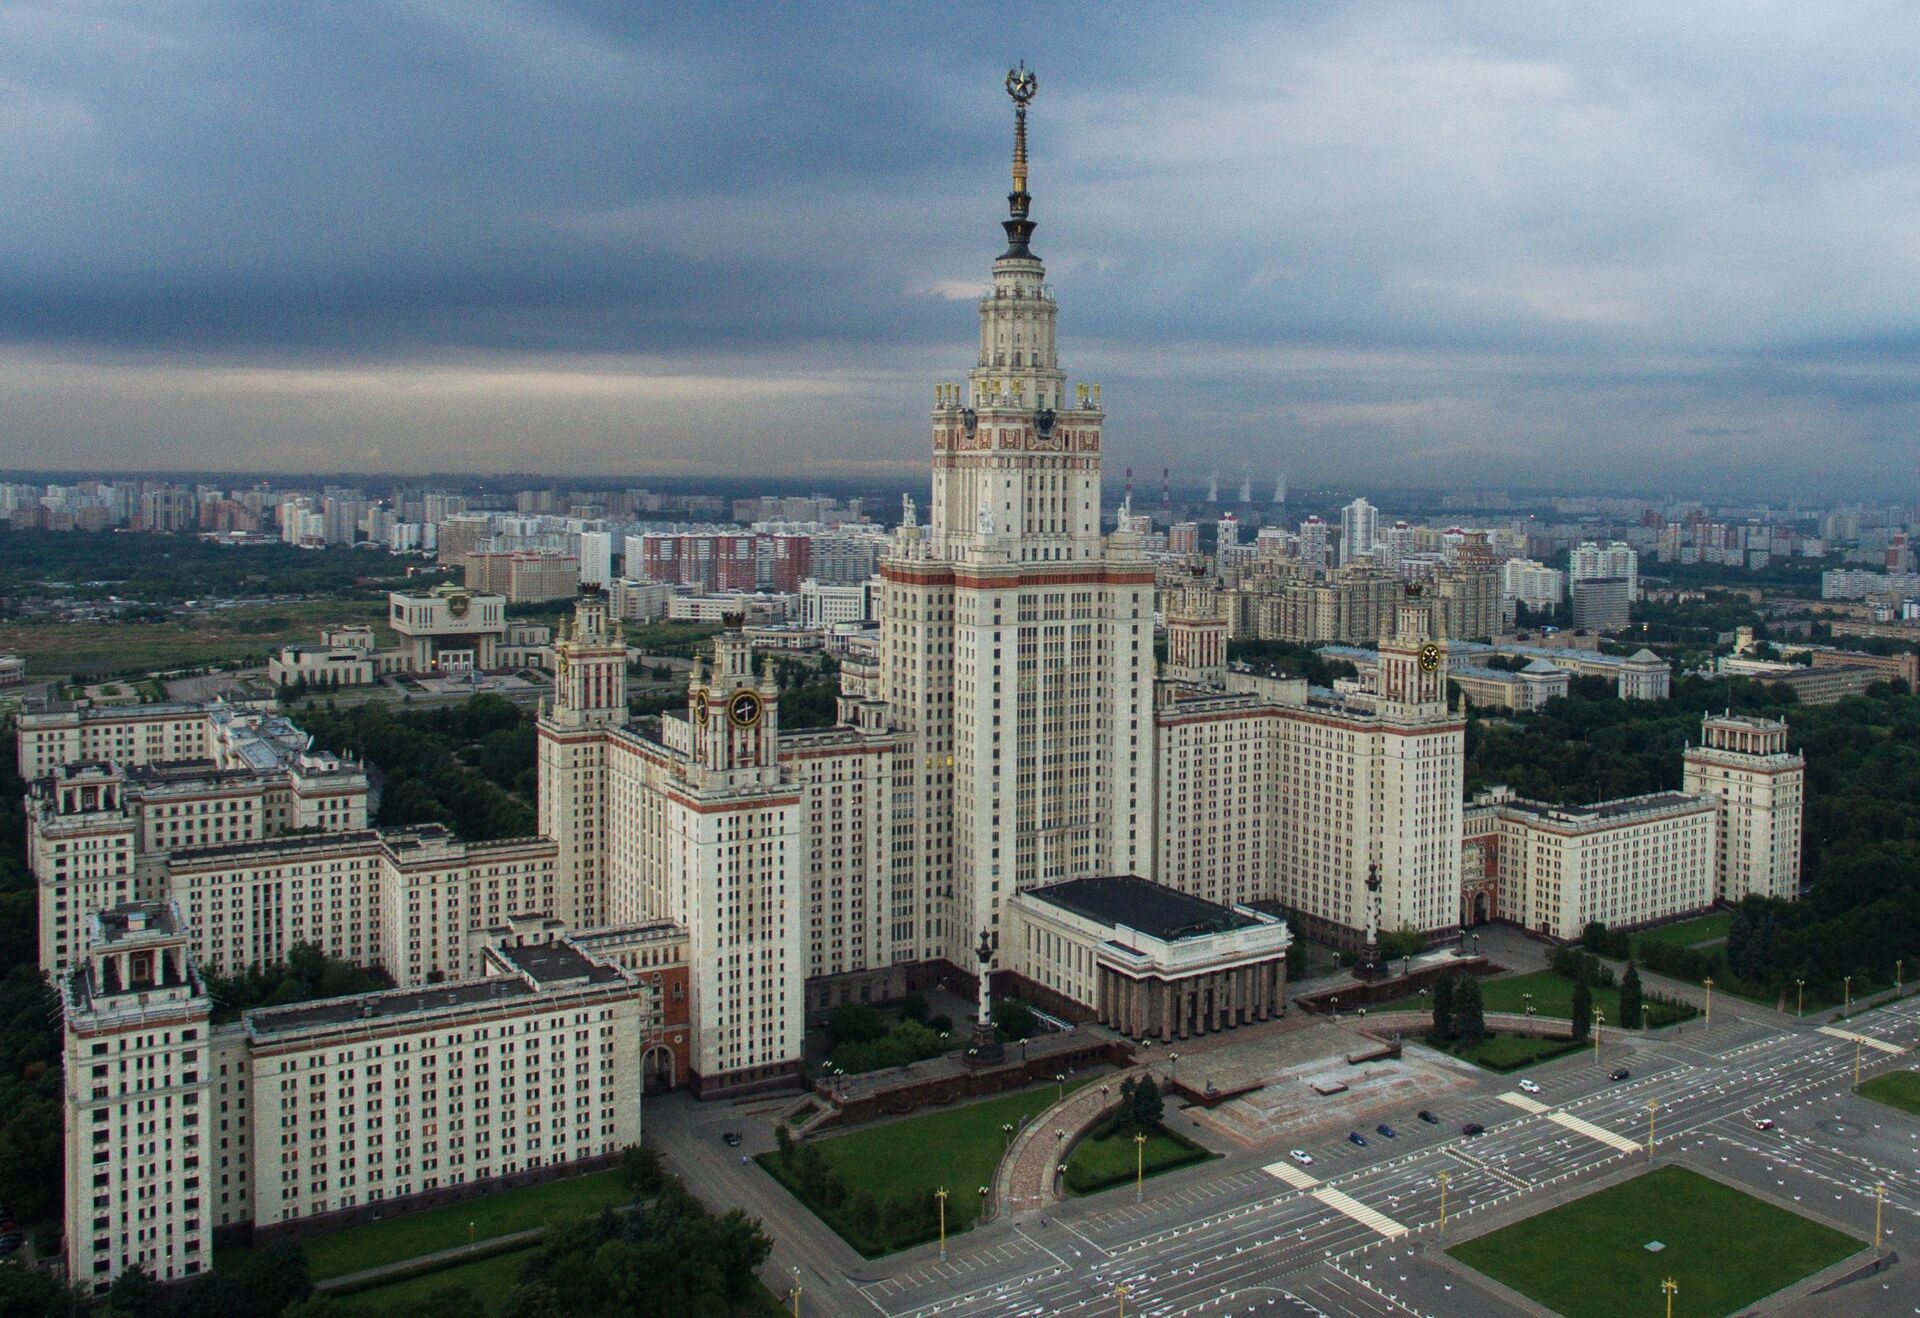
{"points": [[1428, 1117], [1473, 1128], [1618, 1073], [1386, 1130], [1355, 1137], [731, 1139]]}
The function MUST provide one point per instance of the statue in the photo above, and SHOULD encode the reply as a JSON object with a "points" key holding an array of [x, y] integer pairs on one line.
{"points": [[984, 522], [909, 514]]}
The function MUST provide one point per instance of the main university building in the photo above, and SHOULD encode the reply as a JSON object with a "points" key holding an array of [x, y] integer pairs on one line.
{"points": [[1008, 767]]}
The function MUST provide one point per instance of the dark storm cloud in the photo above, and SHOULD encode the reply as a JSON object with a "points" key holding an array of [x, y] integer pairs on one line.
{"points": [[1347, 240]]}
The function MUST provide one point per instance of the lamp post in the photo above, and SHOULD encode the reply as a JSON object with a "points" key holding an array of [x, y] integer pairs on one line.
{"points": [[1476, 944], [983, 1200], [1173, 1068], [794, 1294], [1120, 1294], [1443, 1201], [1060, 1080], [1670, 1286], [940, 1197], [1333, 1000], [1857, 1041], [1800, 997], [1846, 995], [1708, 981], [1879, 1205], [1406, 966], [1599, 1023], [1006, 1129], [1139, 1165], [1652, 1103]]}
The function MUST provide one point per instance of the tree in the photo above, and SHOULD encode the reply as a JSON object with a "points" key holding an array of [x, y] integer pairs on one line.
{"points": [[1014, 1019], [1582, 1011], [1444, 1027], [1632, 1003], [642, 1166], [1469, 1012], [134, 1294], [913, 1007], [855, 1022], [737, 1247], [1399, 943], [1144, 1107], [783, 1143], [531, 1299]]}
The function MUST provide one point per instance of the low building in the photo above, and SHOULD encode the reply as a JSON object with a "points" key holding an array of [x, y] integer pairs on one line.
{"points": [[327, 666], [1146, 959], [13, 670], [1559, 868], [1499, 688], [448, 629]]}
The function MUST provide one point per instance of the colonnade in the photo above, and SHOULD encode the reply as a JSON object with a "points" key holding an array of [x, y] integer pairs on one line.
{"points": [[1204, 1003]]}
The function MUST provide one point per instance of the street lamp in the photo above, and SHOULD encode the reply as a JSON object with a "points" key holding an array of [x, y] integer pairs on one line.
{"points": [[1599, 1024], [1879, 1206], [1406, 966], [1006, 1128], [1670, 1286], [1120, 1294], [1708, 981], [1334, 1001], [1846, 1001], [1652, 1103], [1060, 1079], [1139, 1164], [1476, 944], [794, 1294], [1443, 1201], [1173, 1067], [1800, 990], [940, 1196], [1857, 1041]]}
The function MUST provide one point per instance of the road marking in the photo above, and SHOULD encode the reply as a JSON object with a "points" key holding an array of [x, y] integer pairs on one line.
{"points": [[1359, 1212], [1867, 1039], [1517, 1099], [1292, 1175], [1591, 1131]]}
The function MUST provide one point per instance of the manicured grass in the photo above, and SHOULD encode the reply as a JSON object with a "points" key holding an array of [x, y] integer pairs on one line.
{"points": [[1897, 1089], [1510, 1052], [1701, 929], [487, 1280], [396, 1238], [1724, 1248], [958, 1148], [1110, 1158], [1552, 998]]}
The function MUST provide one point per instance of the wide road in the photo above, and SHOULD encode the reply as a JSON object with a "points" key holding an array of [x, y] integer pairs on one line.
{"points": [[1349, 1235]]}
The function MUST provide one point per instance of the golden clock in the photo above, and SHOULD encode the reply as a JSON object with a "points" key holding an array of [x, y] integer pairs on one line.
{"points": [[743, 707], [700, 706], [1429, 657]]}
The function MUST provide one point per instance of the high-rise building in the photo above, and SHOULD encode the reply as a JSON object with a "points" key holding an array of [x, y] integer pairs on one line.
{"points": [[1619, 559], [1602, 604], [596, 559], [1183, 538], [1359, 523], [1532, 583], [1314, 546], [1760, 786]]}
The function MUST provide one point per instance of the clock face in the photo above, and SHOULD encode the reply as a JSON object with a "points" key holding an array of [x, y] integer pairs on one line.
{"points": [[1429, 657], [743, 707], [700, 706]]}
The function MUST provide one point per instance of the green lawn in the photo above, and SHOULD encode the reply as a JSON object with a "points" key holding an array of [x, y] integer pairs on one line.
{"points": [[1552, 997], [486, 1282], [1589, 1259], [410, 1235], [249, 633], [958, 1148], [1701, 929], [1897, 1089], [1510, 1052], [1104, 1160]]}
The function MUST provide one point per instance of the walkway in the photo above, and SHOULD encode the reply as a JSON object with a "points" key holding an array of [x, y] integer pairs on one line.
{"points": [[1024, 1181], [421, 1264]]}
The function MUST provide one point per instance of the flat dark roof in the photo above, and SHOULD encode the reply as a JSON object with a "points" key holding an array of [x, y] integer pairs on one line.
{"points": [[545, 963], [1626, 806], [1151, 908]]}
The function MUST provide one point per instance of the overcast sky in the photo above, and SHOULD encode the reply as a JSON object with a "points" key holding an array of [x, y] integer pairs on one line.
{"points": [[1646, 246]]}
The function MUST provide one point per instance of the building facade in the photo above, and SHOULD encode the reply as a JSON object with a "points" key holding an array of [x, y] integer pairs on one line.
{"points": [[1744, 765]]}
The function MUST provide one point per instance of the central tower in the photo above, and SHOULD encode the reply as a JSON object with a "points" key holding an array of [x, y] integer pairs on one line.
{"points": [[1017, 642]]}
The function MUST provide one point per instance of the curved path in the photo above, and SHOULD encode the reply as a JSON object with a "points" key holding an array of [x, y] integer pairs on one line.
{"points": [[1024, 1181]]}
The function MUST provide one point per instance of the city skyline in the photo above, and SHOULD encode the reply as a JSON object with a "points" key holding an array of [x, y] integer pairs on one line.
{"points": [[1375, 245]]}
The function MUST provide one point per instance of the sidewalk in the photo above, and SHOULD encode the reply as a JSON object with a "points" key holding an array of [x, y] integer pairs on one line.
{"points": [[368, 1278]]}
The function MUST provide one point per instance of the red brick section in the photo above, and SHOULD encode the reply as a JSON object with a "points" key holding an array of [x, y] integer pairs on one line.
{"points": [[1027, 1180]]}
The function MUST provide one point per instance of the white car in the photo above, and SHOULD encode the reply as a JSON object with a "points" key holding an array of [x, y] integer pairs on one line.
{"points": [[1301, 1156], [1530, 1086]]}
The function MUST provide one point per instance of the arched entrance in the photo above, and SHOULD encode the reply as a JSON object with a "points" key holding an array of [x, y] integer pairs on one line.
{"points": [[1480, 908], [657, 1073]]}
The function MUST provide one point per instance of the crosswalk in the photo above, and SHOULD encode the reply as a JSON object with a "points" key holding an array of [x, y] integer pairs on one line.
{"points": [[1298, 1178], [1514, 1098], [1852, 1037], [1359, 1212], [1591, 1131]]}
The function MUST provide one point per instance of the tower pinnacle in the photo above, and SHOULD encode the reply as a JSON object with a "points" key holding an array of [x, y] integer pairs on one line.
{"points": [[1021, 85]]}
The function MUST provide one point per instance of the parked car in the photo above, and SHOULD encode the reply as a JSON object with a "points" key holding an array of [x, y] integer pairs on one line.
{"points": [[1355, 1137], [1530, 1086], [1473, 1128], [1428, 1117], [1386, 1130], [1764, 1123], [1618, 1073], [731, 1139], [1301, 1156]]}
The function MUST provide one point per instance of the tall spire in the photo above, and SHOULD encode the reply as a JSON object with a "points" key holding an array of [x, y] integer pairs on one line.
{"points": [[1021, 85]]}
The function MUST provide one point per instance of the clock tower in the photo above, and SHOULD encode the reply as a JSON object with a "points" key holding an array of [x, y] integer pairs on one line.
{"points": [[1413, 660]]}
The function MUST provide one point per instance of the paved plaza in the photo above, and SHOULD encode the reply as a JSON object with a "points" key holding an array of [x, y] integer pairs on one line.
{"points": [[1356, 1233]]}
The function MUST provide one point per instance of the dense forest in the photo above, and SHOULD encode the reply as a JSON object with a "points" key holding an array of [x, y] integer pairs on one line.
{"points": [[30, 1047], [1861, 855], [166, 569], [470, 766]]}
